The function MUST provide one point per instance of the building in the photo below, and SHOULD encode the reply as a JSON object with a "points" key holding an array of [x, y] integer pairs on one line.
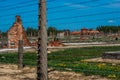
{"points": [[16, 33], [85, 31], [63, 34], [75, 33]]}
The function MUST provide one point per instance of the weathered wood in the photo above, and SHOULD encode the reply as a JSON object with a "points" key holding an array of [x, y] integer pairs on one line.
{"points": [[111, 55], [42, 43], [20, 54]]}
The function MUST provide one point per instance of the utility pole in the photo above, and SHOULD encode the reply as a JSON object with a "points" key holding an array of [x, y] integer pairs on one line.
{"points": [[42, 42]]}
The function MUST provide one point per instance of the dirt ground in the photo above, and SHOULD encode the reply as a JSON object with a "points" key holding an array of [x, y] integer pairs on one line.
{"points": [[10, 72]]}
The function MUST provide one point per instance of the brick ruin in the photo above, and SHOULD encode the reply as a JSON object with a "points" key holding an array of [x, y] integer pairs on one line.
{"points": [[55, 44], [16, 33]]}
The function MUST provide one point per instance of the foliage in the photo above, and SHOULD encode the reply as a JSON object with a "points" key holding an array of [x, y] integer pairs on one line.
{"points": [[3, 34], [52, 31], [108, 29], [28, 59], [31, 31]]}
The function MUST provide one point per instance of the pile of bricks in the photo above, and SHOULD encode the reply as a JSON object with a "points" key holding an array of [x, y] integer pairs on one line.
{"points": [[55, 44]]}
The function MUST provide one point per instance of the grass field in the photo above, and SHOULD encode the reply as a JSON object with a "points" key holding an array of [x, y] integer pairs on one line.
{"points": [[72, 60]]}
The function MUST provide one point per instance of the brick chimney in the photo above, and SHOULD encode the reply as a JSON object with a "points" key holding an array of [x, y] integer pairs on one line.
{"points": [[16, 33], [18, 19]]}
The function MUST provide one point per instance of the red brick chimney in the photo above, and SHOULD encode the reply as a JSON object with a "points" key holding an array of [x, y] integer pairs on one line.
{"points": [[18, 19], [16, 33]]}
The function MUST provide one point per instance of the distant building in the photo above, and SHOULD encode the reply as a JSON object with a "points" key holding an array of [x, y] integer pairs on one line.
{"points": [[63, 34], [16, 33], [85, 31], [75, 33], [93, 32]]}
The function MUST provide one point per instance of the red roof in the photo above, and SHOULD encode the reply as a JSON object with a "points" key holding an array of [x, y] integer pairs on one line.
{"points": [[75, 33]]}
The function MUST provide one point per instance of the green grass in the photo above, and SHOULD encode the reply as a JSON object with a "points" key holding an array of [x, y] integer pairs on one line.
{"points": [[72, 60], [28, 58]]}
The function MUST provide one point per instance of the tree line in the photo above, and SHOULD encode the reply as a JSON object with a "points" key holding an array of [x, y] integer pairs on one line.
{"points": [[50, 31], [108, 29], [30, 31]]}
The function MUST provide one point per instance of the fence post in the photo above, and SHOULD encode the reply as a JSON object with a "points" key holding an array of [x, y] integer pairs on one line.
{"points": [[20, 54], [42, 42]]}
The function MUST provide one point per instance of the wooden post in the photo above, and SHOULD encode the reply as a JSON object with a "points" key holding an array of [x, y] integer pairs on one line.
{"points": [[42, 43], [20, 54]]}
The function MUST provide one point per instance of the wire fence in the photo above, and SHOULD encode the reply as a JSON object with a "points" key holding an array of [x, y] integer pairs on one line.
{"points": [[83, 36]]}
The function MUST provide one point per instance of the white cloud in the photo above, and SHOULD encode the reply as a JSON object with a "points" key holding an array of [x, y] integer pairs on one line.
{"points": [[110, 21], [115, 4], [75, 5]]}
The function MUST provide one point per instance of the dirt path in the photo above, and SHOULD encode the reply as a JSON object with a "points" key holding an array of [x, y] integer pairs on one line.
{"points": [[10, 72]]}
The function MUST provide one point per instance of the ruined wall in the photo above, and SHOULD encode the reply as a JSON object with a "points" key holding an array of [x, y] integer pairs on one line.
{"points": [[16, 33]]}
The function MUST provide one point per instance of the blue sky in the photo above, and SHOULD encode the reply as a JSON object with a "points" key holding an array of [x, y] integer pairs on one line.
{"points": [[61, 13]]}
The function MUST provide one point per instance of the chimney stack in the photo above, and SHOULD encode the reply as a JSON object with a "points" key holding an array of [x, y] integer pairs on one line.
{"points": [[18, 19]]}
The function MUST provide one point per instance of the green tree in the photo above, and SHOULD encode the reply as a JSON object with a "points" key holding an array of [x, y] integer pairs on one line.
{"points": [[108, 29], [4, 34], [31, 31], [52, 31]]}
